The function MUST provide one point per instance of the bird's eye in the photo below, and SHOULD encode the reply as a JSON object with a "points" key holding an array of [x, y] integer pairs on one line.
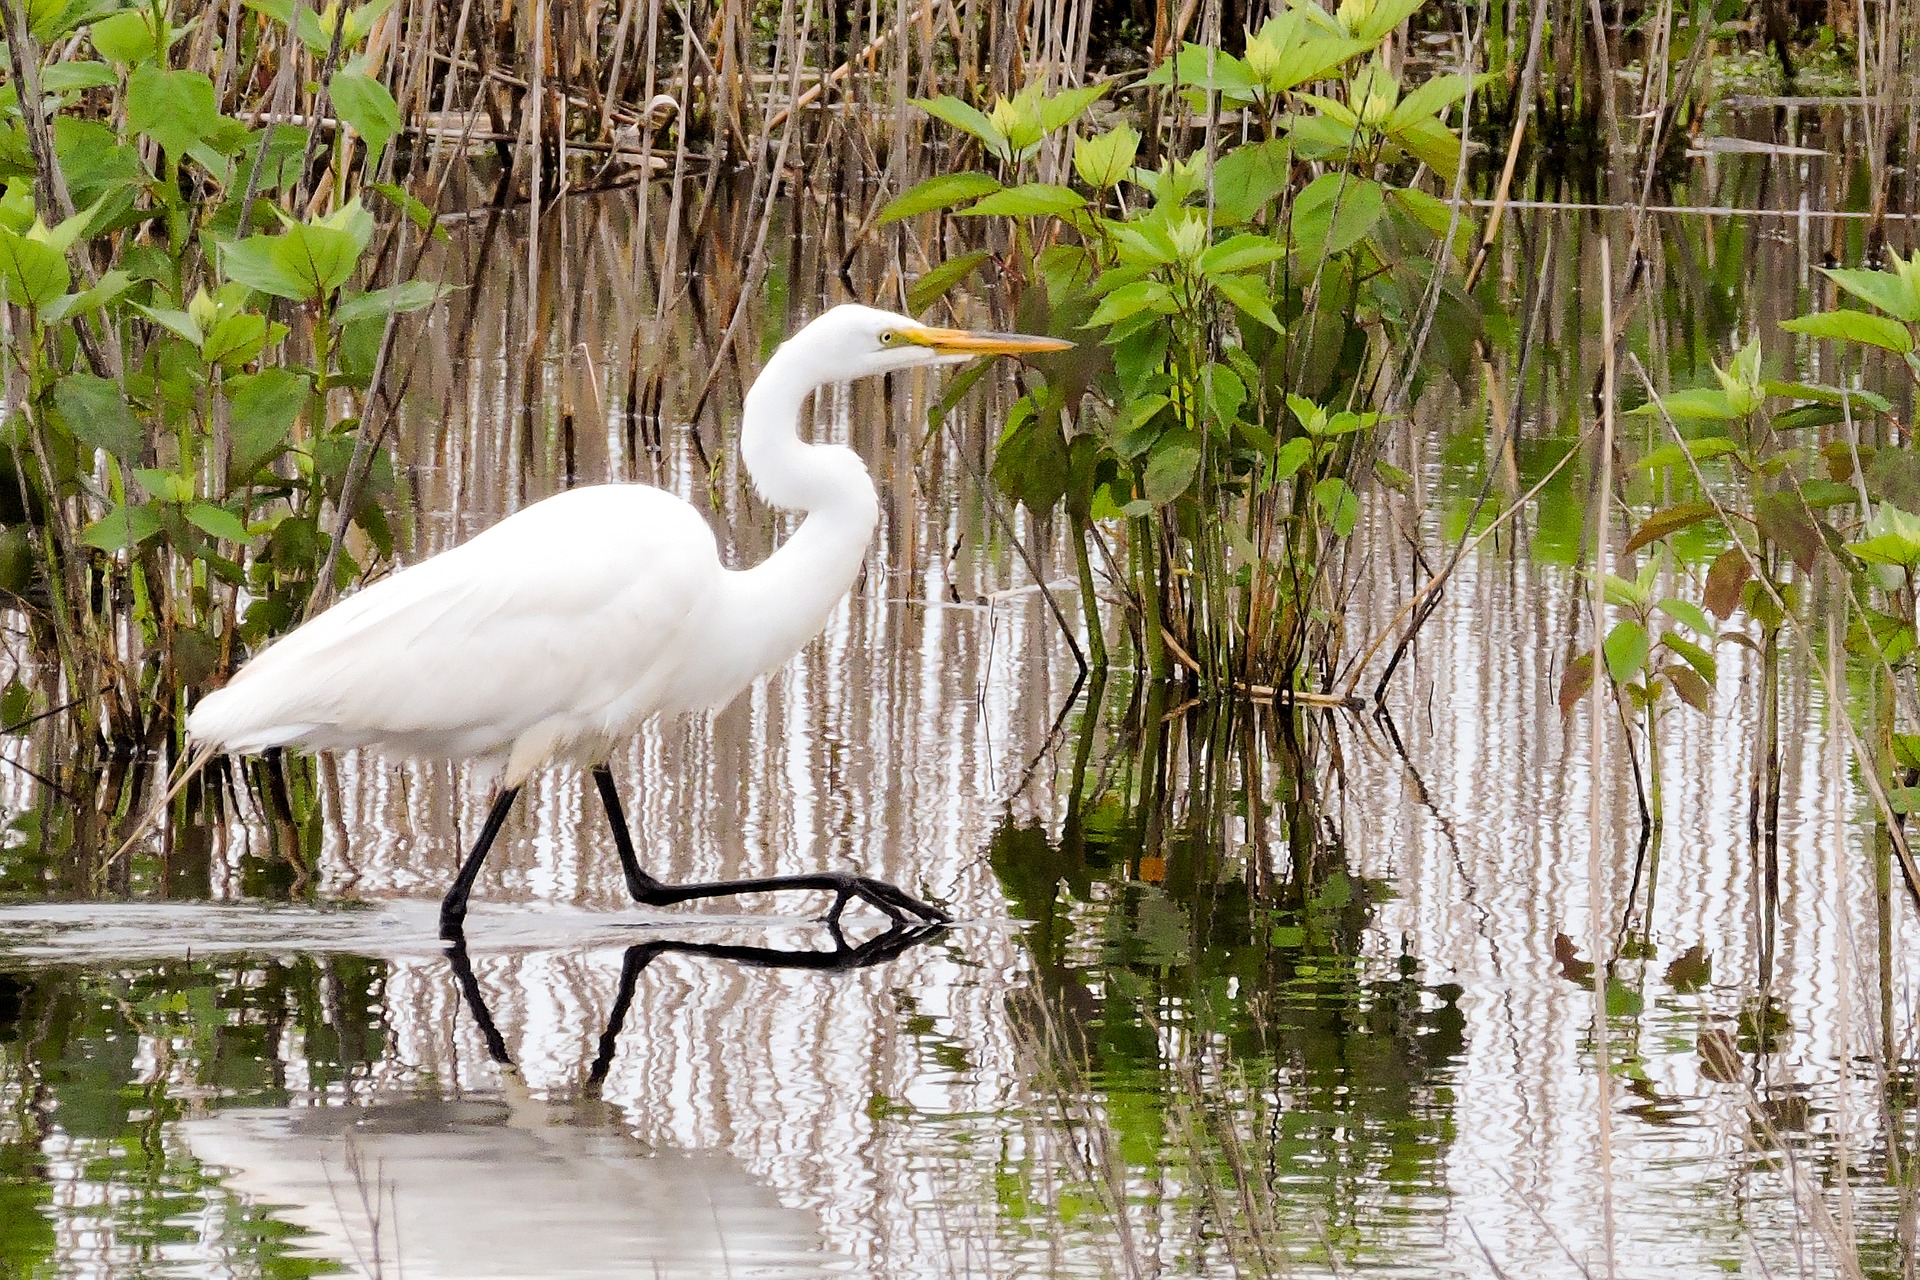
{"points": [[888, 338]]}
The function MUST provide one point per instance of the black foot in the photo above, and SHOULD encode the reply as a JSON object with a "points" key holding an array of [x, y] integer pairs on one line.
{"points": [[900, 907]]}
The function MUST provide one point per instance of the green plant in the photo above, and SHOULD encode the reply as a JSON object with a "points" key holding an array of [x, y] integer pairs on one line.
{"points": [[183, 441], [1244, 296], [1776, 486]]}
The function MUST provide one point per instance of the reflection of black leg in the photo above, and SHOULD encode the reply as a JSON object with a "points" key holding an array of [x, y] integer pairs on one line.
{"points": [[875, 950], [453, 909], [636, 959], [899, 906], [470, 989]]}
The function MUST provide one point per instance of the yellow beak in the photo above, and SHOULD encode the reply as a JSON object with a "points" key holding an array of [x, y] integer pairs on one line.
{"points": [[963, 342]]}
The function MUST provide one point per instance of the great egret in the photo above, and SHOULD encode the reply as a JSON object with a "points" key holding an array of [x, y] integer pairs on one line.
{"points": [[554, 634]]}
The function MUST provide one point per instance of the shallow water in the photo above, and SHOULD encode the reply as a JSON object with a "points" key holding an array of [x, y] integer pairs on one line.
{"points": [[1118, 1062]]}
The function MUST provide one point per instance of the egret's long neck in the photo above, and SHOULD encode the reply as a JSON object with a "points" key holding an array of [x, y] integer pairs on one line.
{"points": [[784, 601]]}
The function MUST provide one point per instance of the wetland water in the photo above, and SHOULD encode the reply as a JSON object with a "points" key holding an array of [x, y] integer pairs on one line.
{"points": [[1117, 1063]]}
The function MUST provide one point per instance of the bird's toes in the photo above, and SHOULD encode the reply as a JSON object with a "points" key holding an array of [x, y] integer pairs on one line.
{"points": [[899, 905]]}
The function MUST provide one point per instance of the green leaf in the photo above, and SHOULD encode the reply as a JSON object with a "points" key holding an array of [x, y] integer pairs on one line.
{"points": [[121, 528], [1290, 457], [1434, 214], [1803, 416], [68, 77], [1676, 455], [1625, 592], [365, 103], [1206, 67], [252, 263], [1675, 518], [1251, 295], [1106, 160], [32, 274], [167, 486], [1247, 178], [1029, 200], [235, 339], [1226, 392], [417, 211], [1427, 101], [1431, 143], [1031, 463], [1338, 503], [1883, 289], [1854, 326], [1708, 404], [95, 411], [263, 407], [175, 108], [1241, 253], [112, 285], [1694, 655], [218, 522], [1170, 470], [1309, 60], [1626, 650], [1894, 538], [351, 218], [1689, 613], [125, 37], [1838, 396], [936, 284], [175, 322], [1066, 106], [1904, 800], [1128, 300], [1134, 431], [1372, 21], [408, 295], [1333, 213], [968, 119], [1622, 1000], [305, 264], [938, 192]]}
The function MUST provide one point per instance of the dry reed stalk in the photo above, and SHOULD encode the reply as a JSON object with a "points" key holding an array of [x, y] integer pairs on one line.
{"points": [[1529, 81], [865, 57], [1596, 763]]}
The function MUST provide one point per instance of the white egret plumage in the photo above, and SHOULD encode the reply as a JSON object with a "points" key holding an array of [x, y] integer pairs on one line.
{"points": [[553, 635]]}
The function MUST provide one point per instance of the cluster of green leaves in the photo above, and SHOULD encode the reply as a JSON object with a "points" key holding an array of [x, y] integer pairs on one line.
{"points": [[1233, 290], [1761, 481], [187, 356]]}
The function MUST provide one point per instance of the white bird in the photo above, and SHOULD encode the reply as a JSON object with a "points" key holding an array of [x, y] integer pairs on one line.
{"points": [[555, 634]]}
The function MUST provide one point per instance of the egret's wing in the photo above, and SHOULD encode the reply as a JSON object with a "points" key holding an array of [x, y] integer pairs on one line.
{"points": [[557, 614]]}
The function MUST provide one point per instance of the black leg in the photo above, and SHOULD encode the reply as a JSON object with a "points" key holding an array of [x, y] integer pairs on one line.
{"points": [[899, 907], [639, 883], [453, 909]]}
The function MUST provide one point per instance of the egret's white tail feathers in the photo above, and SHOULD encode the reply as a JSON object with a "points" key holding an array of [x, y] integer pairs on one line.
{"points": [[192, 763], [225, 720]]}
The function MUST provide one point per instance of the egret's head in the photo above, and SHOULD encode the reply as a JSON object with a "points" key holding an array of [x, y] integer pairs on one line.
{"points": [[852, 341]]}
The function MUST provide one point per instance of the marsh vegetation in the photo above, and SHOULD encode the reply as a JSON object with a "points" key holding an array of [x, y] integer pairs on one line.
{"points": [[1432, 674]]}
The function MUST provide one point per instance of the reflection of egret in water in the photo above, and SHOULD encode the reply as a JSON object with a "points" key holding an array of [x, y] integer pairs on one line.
{"points": [[522, 1185]]}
